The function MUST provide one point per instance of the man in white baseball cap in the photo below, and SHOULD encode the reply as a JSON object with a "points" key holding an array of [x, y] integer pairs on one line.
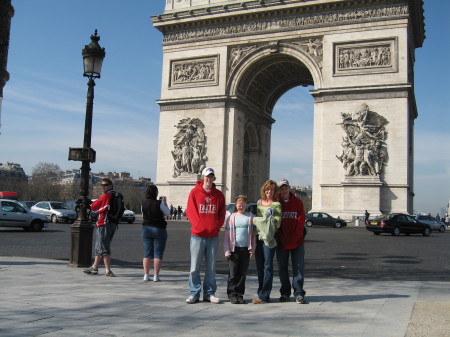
{"points": [[206, 211], [290, 242]]}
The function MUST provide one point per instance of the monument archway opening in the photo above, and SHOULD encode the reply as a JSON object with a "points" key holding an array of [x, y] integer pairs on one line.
{"points": [[291, 154], [259, 86]]}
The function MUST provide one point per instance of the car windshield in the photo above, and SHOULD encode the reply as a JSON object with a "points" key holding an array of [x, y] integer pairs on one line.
{"points": [[58, 205]]}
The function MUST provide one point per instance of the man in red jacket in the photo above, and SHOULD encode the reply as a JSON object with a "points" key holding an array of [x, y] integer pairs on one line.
{"points": [[206, 212], [104, 231], [290, 242]]}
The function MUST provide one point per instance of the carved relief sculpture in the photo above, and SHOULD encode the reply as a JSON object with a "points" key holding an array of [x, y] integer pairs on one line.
{"points": [[364, 150], [365, 57], [313, 47], [189, 144], [238, 53], [194, 72]]}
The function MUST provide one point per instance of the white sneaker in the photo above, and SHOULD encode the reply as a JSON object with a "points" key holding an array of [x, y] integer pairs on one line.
{"points": [[212, 299], [192, 300], [146, 278], [156, 278]]}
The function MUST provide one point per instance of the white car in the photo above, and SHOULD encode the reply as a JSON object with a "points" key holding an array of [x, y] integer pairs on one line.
{"points": [[434, 224], [13, 214], [128, 216], [55, 211]]}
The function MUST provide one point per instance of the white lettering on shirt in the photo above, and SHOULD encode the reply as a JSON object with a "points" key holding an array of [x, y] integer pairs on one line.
{"points": [[289, 215], [207, 209]]}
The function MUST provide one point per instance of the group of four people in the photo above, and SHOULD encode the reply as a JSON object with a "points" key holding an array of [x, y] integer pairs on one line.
{"points": [[276, 228]]}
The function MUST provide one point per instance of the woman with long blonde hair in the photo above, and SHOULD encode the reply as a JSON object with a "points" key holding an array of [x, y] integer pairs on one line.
{"points": [[267, 221]]}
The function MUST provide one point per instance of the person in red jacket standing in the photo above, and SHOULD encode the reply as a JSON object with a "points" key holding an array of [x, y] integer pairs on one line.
{"points": [[206, 213], [290, 242], [104, 231]]}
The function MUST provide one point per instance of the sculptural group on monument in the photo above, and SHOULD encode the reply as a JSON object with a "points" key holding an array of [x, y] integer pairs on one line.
{"points": [[189, 152], [364, 57], [364, 150]]}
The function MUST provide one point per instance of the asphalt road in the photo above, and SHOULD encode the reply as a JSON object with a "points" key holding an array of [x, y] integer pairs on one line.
{"points": [[350, 252]]}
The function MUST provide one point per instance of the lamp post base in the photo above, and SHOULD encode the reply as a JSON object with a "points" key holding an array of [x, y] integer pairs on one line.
{"points": [[81, 244]]}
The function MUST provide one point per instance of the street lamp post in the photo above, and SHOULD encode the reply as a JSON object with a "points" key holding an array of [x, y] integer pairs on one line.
{"points": [[81, 230]]}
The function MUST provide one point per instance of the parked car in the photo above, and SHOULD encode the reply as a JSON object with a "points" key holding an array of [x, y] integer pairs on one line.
{"points": [[55, 211], [128, 216], [27, 204], [434, 224], [396, 224], [13, 214], [323, 219]]}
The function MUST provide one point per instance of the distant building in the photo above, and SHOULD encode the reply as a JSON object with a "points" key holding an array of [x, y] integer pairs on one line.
{"points": [[119, 178], [13, 178], [12, 172]]}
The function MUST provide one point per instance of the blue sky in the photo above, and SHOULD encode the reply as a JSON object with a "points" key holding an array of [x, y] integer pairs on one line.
{"points": [[45, 100]]}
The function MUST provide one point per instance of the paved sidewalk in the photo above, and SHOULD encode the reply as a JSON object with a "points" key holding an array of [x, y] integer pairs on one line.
{"points": [[43, 297]]}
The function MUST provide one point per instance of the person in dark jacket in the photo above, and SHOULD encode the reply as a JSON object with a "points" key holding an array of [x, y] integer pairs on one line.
{"points": [[154, 232]]}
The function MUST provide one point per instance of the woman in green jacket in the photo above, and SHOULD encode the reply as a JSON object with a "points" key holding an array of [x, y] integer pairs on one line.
{"points": [[267, 221]]}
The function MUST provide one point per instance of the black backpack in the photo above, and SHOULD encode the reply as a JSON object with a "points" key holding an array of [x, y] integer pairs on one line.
{"points": [[116, 207]]}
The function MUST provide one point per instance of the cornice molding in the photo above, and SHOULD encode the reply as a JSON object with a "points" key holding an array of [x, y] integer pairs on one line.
{"points": [[186, 22], [289, 19]]}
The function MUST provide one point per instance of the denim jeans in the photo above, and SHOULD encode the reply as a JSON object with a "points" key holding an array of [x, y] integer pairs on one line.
{"points": [[154, 240], [264, 264], [298, 267], [200, 247]]}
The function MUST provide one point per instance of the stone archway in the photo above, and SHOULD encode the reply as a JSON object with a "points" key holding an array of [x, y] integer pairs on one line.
{"points": [[259, 76], [226, 63]]}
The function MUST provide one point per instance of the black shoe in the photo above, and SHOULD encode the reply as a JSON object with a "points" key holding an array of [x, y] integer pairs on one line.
{"points": [[301, 300], [234, 300], [241, 300], [285, 298]]}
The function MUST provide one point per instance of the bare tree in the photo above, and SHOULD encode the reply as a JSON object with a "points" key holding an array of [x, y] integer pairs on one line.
{"points": [[43, 184]]}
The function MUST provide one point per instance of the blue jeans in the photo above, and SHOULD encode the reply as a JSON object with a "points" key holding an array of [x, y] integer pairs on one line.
{"points": [[200, 247], [298, 267], [154, 240], [264, 264]]}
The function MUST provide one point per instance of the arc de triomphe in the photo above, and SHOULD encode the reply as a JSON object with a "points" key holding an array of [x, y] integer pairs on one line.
{"points": [[226, 63]]}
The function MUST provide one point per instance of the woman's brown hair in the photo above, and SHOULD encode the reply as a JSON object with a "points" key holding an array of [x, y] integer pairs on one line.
{"points": [[267, 185]]}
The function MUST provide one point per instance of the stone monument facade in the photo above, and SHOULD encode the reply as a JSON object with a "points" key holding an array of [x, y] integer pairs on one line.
{"points": [[226, 63]]}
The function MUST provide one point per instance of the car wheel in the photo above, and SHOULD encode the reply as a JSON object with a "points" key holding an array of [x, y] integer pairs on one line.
{"points": [[54, 219], [36, 226], [308, 223], [376, 233], [426, 231], [396, 231], [337, 225], [442, 229]]}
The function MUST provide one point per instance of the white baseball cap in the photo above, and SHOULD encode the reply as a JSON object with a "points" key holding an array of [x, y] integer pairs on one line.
{"points": [[207, 171], [283, 182]]}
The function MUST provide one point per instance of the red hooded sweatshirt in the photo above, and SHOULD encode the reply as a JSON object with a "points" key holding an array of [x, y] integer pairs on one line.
{"points": [[290, 233], [206, 211]]}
